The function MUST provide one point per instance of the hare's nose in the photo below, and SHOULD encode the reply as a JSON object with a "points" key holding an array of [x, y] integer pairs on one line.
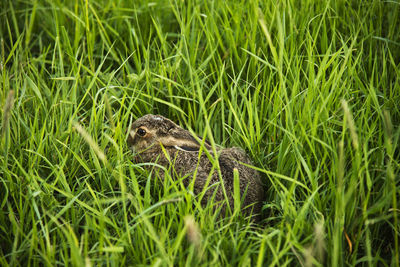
{"points": [[131, 136], [133, 149]]}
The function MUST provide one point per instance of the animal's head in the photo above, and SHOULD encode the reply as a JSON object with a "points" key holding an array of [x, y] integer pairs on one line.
{"points": [[150, 131]]}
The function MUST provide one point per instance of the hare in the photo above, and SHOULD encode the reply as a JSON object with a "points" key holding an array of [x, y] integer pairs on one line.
{"points": [[154, 138]]}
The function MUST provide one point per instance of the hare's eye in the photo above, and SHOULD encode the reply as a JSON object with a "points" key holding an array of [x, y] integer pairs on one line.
{"points": [[141, 132]]}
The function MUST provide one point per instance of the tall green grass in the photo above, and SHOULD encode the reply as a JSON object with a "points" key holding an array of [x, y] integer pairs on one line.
{"points": [[309, 88]]}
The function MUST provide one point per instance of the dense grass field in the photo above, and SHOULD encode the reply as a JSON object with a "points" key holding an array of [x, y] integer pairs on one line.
{"points": [[310, 89]]}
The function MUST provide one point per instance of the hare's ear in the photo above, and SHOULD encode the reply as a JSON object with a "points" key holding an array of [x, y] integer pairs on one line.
{"points": [[170, 128], [179, 142], [187, 148]]}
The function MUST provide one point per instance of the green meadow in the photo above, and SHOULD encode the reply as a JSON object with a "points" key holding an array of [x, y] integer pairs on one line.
{"points": [[310, 89]]}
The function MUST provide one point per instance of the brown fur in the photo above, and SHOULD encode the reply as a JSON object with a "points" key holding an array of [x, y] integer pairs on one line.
{"points": [[183, 151]]}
